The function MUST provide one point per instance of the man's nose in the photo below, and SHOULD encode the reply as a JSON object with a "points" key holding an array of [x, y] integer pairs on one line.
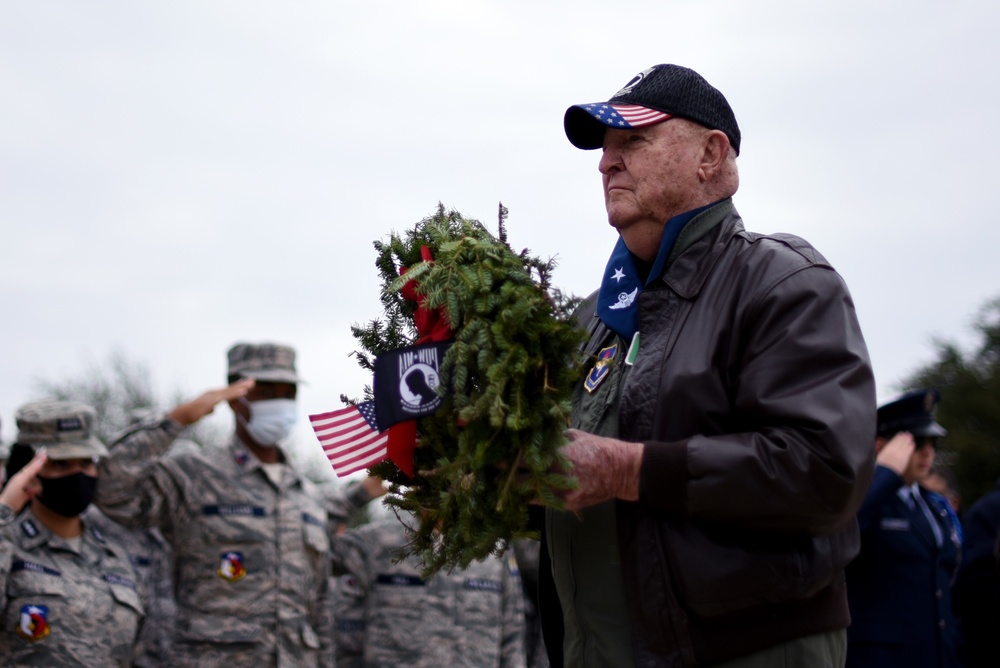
{"points": [[611, 160]]}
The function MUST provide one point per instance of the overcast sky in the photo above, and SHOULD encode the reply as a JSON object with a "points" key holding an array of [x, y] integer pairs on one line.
{"points": [[178, 176]]}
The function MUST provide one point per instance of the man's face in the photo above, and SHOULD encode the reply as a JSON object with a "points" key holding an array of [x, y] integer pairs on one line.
{"points": [[60, 468], [264, 390], [650, 175], [921, 461], [268, 390]]}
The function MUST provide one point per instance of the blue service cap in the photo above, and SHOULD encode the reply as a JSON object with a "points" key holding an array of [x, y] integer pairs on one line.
{"points": [[912, 412]]}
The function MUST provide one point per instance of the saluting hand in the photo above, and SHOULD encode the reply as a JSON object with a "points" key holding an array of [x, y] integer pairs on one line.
{"points": [[896, 453], [196, 409], [24, 484]]}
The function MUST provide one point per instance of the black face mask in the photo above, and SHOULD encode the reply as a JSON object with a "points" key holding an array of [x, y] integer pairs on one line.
{"points": [[70, 495]]}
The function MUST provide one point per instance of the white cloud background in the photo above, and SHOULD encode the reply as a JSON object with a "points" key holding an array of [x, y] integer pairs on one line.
{"points": [[175, 177]]}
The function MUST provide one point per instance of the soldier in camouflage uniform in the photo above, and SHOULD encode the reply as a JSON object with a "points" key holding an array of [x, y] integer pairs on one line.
{"points": [[387, 615], [249, 535], [343, 501], [67, 594], [149, 554]]}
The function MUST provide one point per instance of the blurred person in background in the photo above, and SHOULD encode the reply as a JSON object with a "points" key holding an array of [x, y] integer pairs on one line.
{"points": [[249, 534], [899, 587], [389, 616], [68, 593]]}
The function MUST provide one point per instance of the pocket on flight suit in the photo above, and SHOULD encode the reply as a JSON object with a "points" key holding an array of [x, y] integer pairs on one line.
{"points": [[315, 534], [129, 611]]}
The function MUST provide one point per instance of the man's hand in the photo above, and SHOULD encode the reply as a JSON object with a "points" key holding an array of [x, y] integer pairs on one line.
{"points": [[373, 485], [896, 453], [196, 409], [24, 484], [606, 468]]}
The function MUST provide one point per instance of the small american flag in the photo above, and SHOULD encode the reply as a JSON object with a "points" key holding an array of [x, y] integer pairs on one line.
{"points": [[350, 438], [626, 115]]}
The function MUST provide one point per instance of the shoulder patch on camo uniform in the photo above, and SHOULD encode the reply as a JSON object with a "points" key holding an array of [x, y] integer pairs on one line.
{"points": [[33, 624], [231, 566], [29, 528]]}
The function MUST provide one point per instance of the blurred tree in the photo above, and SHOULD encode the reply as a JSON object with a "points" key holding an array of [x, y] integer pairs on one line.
{"points": [[970, 404], [120, 390]]}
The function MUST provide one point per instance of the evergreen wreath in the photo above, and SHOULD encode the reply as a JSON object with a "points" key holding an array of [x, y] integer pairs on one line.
{"points": [[493, 446]]}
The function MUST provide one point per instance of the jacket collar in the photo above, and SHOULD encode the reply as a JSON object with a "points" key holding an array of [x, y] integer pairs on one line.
{"points": [[246, 463], [33, 535], [699, 247]]}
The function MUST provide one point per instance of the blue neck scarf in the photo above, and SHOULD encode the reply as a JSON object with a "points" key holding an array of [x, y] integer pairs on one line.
{"points": [[617, 301]]}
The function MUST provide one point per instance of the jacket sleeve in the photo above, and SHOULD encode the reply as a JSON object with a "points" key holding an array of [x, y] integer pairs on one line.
{"points": [[794, 449], [135, 490], [884, 485]]}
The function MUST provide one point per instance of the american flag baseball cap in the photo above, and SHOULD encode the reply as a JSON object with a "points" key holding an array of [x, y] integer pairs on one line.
{"points": [[650, 97]]}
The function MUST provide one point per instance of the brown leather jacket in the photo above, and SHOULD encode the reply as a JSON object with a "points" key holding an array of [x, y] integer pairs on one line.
{"points": [[754, 396]]}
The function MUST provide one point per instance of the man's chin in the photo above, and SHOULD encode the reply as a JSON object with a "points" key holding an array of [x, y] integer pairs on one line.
{"points": [[620, 220]]}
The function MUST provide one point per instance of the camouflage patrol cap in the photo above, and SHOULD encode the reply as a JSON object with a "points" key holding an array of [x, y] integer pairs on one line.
{"points": [[63, 428], [270, 362]]}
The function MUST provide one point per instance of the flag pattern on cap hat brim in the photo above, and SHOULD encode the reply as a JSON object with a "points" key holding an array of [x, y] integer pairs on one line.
{"points": [[624, 115]]}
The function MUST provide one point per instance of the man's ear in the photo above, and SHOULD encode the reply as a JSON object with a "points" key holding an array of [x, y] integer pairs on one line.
{"points": [[714, 154]]}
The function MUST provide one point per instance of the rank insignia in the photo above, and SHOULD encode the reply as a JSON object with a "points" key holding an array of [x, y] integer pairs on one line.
{"points": [[602, 368], [34, 623], [231, 567]]}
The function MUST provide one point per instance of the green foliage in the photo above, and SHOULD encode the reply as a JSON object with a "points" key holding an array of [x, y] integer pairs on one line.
{"points": [[493, 446], [970, 405]]}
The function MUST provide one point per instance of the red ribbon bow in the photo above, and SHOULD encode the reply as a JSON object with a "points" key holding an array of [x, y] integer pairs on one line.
{"points": [[431, 324]]}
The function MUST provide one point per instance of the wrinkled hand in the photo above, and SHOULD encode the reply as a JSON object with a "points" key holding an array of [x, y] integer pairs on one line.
{"points": [[24, 484], [194, 410], [896, 453], [605, 468]]}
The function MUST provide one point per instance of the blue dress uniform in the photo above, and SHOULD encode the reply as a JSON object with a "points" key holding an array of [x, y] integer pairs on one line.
{"points": [[899, 586]]}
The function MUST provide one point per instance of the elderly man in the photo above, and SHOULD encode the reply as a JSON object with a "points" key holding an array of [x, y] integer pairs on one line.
{"points": [[722, 437], [248, 533]]}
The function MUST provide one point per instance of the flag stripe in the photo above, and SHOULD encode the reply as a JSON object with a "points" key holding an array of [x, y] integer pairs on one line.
{"points": [[337, 453], [360, 462], [636, 115], [350, 438]]}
